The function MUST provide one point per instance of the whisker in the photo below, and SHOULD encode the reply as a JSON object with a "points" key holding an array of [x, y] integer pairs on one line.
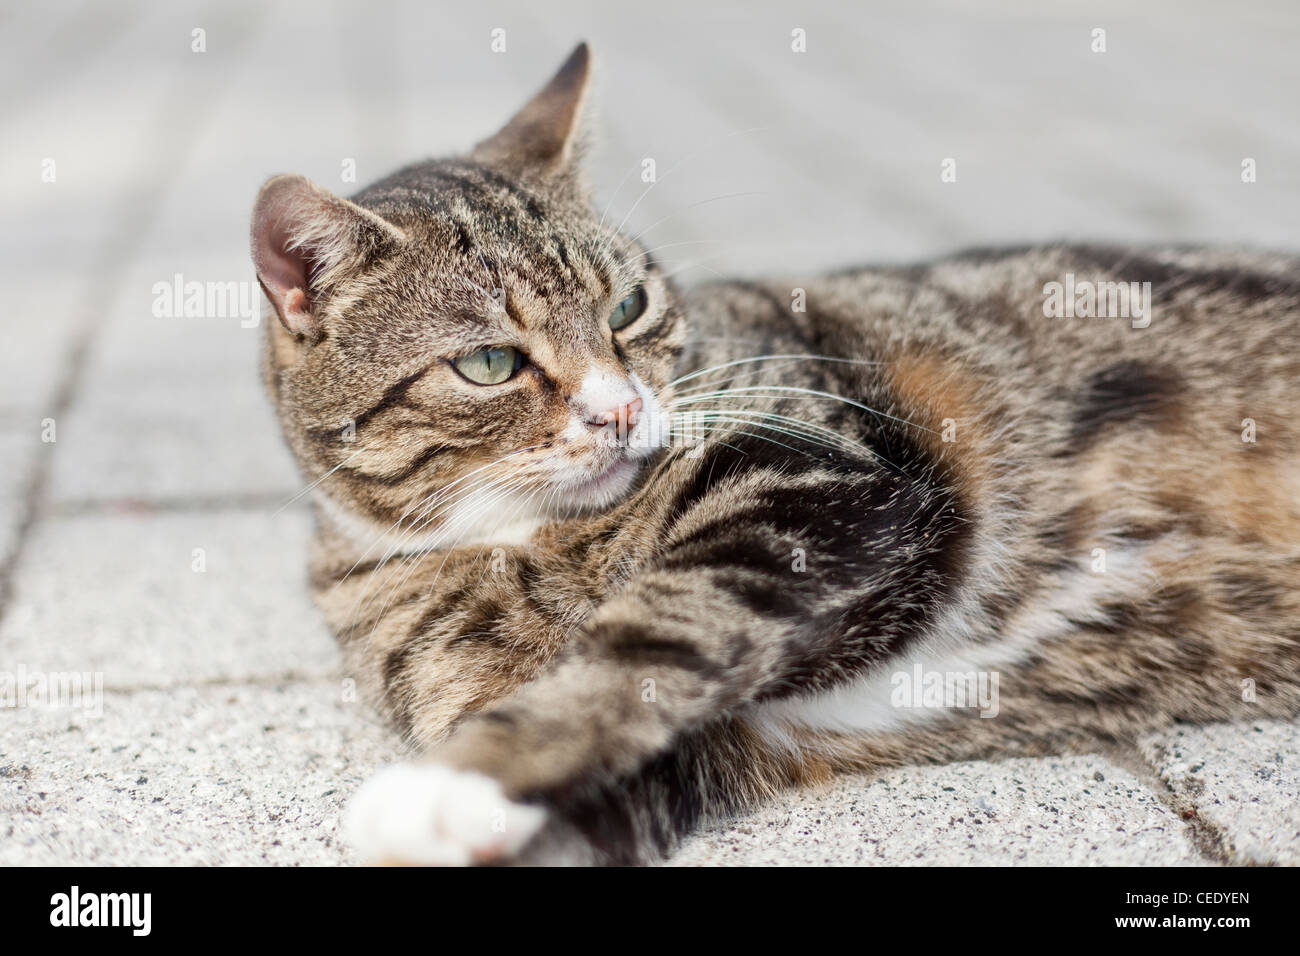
{"points": [[673, 245], [618, 189], [695, 205], [414, 560], [741, 431], [685, 159], [827, 395], [769, 358], [504, 491], [424, 502], [317, 481], [386, 562], [693, 264], [431, 512], [793, 428], [774, 416]]}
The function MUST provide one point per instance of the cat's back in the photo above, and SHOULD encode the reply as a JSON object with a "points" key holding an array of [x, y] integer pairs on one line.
{"points": [[1105, 388], [1038, 299], [1118, 325]]}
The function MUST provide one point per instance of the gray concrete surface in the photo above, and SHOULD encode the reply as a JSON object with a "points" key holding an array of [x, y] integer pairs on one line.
{"points": [[1238, 783], [147, 544], [1066, 811]]}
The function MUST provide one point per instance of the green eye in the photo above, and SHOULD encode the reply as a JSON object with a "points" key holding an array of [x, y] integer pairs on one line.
{"points": [[629, 310], [490, 366]]}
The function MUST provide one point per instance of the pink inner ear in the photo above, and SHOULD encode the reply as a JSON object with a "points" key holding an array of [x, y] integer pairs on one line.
{"points": [[283, 271], [295, 304]]}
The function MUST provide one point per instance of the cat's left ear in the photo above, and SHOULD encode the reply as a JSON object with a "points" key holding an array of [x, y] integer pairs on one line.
{"points": [[305, 240], [545, 140]]}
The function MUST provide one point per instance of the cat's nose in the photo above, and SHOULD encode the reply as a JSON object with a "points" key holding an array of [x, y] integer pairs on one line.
{"points": [[625, 415]]}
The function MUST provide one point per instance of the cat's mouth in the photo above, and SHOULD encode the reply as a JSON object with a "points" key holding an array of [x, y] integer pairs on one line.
{"points": [[599, 489]]}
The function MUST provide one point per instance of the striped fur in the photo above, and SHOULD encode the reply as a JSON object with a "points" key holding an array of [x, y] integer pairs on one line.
{"points": [[923, 471]]}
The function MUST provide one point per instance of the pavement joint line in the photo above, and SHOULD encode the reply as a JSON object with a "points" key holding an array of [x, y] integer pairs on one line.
{"points": [[199, 504], [135, 212], [1208, 838], [252, 680], [1211, 839]]}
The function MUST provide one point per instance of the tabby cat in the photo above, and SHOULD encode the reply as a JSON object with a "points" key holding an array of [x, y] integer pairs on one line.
{"points": [[619, 558]]}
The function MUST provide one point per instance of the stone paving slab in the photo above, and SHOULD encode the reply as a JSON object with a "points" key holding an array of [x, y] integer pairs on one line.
{"points": [[1241, 781], [1059, 811], [35, 344], [118, 593], [171, 406], [230, 775]]}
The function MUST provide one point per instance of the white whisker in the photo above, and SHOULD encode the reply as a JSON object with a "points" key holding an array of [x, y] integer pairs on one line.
{"points": [[308, 489]]}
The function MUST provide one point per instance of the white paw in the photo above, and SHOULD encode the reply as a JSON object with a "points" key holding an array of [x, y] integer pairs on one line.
{"points": [[431, 815]]}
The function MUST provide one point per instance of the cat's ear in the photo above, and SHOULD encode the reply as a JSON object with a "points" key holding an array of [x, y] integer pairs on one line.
{"points": [[545, 139], [304, 240]]}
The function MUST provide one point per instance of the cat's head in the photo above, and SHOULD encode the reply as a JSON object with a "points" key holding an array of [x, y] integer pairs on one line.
{"points": [[468, 341]]}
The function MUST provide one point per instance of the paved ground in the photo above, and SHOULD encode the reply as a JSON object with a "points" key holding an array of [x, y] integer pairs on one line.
{"points": [[145, 543]]}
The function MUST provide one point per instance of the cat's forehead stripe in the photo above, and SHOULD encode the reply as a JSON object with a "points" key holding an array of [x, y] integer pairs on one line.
{"points": [[486, 212]]}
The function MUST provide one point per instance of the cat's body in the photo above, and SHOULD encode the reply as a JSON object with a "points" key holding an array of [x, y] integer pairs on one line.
{"points": [[884, 470]]}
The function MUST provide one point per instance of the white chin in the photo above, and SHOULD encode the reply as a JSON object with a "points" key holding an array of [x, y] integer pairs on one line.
{"points": [[599, 490]]}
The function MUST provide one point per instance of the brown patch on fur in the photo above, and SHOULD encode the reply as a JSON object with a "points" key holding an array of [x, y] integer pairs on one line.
{"points": [[1261, 494], [1247, 494], [931, 389]]}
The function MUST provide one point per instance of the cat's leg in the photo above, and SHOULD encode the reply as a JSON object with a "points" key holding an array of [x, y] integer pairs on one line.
{"points": [[428, 813], [677, 651], [709, 774], [432, 637]]}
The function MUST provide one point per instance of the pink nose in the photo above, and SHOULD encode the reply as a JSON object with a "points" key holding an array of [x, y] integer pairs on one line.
{"points": [[624, 415]]}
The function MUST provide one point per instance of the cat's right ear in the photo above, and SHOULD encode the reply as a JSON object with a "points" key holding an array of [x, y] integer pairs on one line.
{"points": [[304, 239], [546, 139]]}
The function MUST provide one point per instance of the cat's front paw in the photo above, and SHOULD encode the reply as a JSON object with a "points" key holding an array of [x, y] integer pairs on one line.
{"points": [[432, 815]]}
